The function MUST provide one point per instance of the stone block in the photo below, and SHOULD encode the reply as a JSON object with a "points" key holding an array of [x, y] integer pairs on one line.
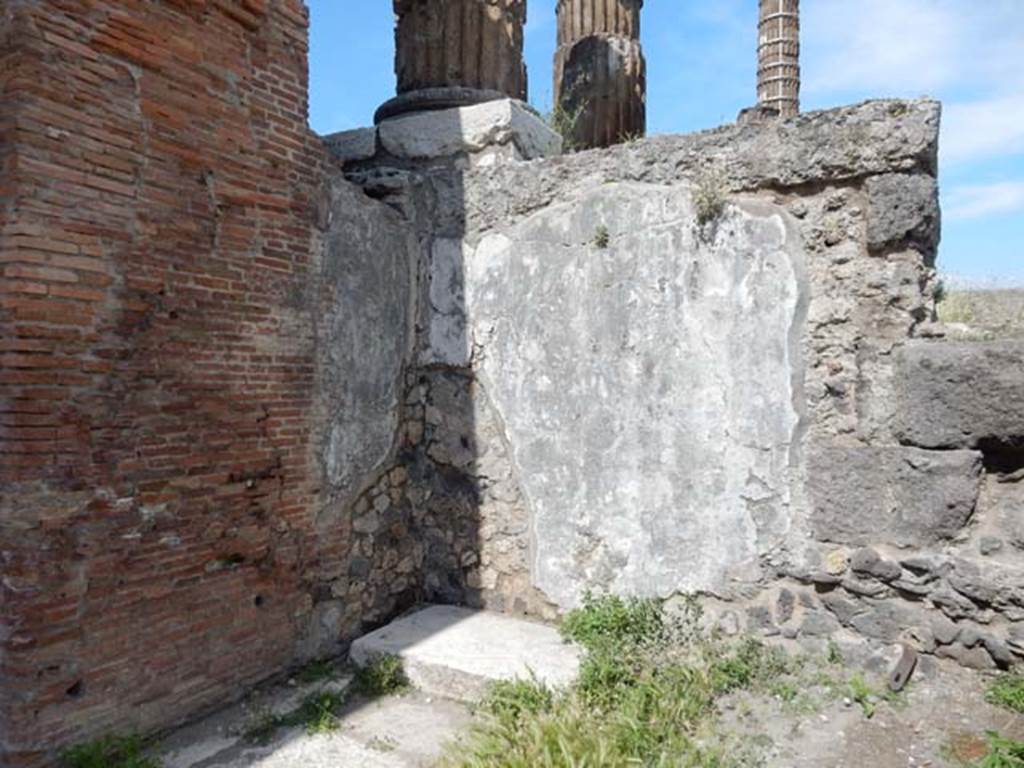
{"points": [[456, 653], [470, 130], [818, 148], [903, 209], [357, 144], [891, 495], [960, 394]]}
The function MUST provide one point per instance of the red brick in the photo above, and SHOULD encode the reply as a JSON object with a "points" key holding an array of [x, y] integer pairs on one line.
{"points": [[138, 361]]}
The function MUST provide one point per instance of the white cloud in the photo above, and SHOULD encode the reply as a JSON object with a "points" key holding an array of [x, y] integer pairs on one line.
{"points": [[912, 46], [969, 53], [979, 129], [876, 45], [977, 201]]}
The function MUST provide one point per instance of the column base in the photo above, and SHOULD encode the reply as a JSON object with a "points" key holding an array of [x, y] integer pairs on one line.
{"points": [[432, 99]]}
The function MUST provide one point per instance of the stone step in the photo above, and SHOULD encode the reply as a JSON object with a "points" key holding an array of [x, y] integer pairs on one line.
{"points": [[456, 652]]}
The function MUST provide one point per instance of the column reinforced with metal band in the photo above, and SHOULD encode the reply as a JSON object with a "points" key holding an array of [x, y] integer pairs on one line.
{"points": [[452, 53], [778, 52], [600, 72]]}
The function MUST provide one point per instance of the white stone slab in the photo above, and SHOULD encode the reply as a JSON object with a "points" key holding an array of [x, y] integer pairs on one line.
{"points": [[457, 652], [470, 130], [647, 374]]}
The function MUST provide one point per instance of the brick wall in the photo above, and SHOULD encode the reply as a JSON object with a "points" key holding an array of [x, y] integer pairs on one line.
{"points": [[158, 192]]}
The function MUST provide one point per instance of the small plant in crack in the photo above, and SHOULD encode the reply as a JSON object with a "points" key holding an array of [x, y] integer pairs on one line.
{"points": [[565, 117], [261, 727], [383, 676], [834, 654], [710, 195], [319, 713], [602, 237], [109, 752]]}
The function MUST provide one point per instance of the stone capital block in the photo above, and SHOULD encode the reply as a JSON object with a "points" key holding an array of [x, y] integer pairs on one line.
{"points": [[474, 130]]}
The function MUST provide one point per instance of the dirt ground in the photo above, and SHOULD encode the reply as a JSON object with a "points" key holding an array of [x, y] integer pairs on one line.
{"points": [[939, 721]]}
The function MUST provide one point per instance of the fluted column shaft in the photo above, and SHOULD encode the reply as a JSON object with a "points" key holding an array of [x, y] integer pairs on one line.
{"points": [[600, 71], [778, 56], [456, 52]]}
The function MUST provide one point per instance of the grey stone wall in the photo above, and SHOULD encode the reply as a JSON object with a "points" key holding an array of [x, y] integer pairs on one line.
{"points": [[691, 364], [669, 329], [367, 566]]}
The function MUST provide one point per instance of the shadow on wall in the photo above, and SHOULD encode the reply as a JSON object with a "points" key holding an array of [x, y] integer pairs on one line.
{"points": [[469, 518], [404, 481]]}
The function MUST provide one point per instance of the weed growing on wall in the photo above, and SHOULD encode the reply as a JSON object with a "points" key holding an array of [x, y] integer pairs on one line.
{"points": [[564, 120], [710, 195]]}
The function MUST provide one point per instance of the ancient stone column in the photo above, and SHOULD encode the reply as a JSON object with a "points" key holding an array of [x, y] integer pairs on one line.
{"points": [[451, 53], [600, 72], [778, 57]]}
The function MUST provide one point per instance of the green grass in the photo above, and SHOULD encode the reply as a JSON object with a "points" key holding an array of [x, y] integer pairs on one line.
{"points": [[1002, 753], [646, 695], [650, 692], [319, 713], [864, 694], [611, 621], [834, 654], [109, 752], [382, 676], [1008, 692]]}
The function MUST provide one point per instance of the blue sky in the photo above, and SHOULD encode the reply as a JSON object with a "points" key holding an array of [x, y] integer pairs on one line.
{"points": [[701, 72]]}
